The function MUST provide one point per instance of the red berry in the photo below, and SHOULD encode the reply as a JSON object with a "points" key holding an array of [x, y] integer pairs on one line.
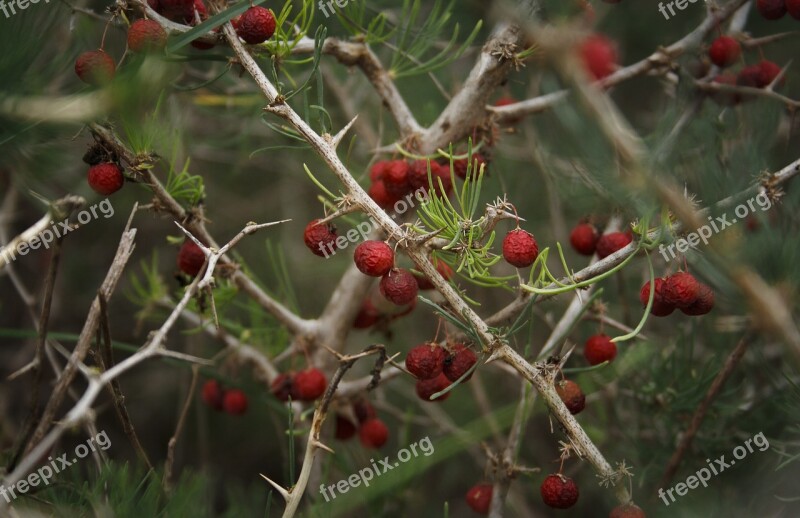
{"points": [[377, 170], [363, 410], [309, 384], [425, 361], [681, 289], [177, 10], [599, 56], [727, 98], [476, 161], [610, 243], [373, 433], [444, 270], [767, 72], [793, 6], [379, 194], [661, 307], [399, 287], [771, 9], [367, 316], [234, 402], [256, 25], [190, 258], [559, 491], [345, 429], [374, 258], [201, 45], [458, 362], [395, 178], [320, 238], [105, 178], [479, 498], [599, 348], [520, 248], [724, 51], [427, 388], [704, 302], [629, 510], [583, 238], [418, 176], [282, 386], [202, 13], [212, 394], [572, 396], [146, 36], [95, 67]]}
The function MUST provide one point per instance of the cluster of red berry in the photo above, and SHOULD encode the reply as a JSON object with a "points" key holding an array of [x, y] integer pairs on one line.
{"points": [[372, 431], [558, 491], [777, 9], [306, 385], [724, 52], [678, 291], [96, 67], [586, 240], [436, 367], [232, 401]]}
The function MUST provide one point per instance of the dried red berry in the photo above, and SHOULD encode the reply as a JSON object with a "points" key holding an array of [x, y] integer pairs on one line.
{"points": [[418, 177], [373, 433], [146, 36], [599, 348], [212, 394], [559, 491], [381, 196], [476, 161], [256, 25], [681, 289], [395, 178], [320, 238], [425, 361], [105, 178], [767, 72], [583, 238], [661, 307], [520, 248], [309, 384], [282, 386], [345, 429], [95, 67], [367, 316], [444, 270], [458, 362], [612, 242], [176, 10], [234, 402], [479, 498], [599, 55], [771, 9], [377, 170], [374, 258], [629, 510], [572, 396], [724, 51], [399, 287], [704, 302], [427, 388]]}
